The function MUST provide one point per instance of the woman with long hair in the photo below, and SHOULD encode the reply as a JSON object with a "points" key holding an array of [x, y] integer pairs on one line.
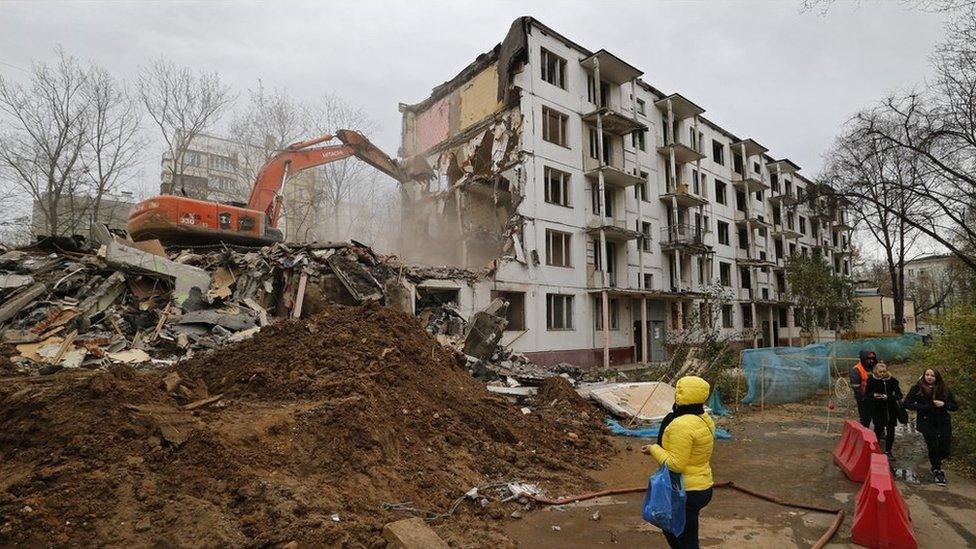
{"points": [[885, 397], [932, 401]]}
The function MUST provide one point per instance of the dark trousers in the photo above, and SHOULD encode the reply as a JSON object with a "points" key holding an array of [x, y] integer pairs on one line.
{"points": [[864, 412], [697, 500], [885, 431], [939, 446]]}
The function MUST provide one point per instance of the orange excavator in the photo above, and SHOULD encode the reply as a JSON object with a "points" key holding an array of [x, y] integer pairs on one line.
{"points": [[181, 220]]}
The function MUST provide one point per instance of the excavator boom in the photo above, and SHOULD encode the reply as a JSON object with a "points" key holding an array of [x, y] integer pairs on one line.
{"points": [[180, 219]]}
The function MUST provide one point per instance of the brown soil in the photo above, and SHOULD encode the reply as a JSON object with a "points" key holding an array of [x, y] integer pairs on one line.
{"points": [[338, 414]]}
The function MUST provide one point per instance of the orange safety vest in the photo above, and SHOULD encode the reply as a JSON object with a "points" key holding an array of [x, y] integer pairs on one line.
{"points": [[864, 377]]}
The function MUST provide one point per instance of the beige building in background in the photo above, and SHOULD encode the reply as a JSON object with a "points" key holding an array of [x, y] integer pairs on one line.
{"points": [[879, 314], [76, 214]]}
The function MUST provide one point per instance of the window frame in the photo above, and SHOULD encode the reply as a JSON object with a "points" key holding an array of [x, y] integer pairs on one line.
{"points": [[563, 184], [562, 129], [566, 245], [567, 320], [560, 68]]}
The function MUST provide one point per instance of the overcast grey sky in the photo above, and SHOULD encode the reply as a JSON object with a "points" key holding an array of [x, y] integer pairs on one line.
{"points": [[761, 69]]}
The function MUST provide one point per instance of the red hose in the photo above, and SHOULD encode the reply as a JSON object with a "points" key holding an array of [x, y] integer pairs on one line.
{"points": [[826, 537]]}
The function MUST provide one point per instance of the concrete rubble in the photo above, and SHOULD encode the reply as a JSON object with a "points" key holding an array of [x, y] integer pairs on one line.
{"points": [[138, 304]]}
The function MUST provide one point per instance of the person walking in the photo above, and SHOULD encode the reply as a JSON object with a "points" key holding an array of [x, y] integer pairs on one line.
{"points": [[932, 401], [859, 384], [684, 442], [884, 396]]}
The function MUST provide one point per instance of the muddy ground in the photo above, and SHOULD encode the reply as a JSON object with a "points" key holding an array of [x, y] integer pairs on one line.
{"points": [[783, 451]]}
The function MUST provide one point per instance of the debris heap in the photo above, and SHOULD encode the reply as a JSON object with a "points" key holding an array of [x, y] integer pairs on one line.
{"points": [[317, 431]]}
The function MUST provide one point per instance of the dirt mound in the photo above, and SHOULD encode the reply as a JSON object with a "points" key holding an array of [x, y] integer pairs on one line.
{"points": [[321, 423]]}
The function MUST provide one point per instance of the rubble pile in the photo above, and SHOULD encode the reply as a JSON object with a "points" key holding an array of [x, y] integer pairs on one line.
{"points": [[135, 303], [316, 431]]}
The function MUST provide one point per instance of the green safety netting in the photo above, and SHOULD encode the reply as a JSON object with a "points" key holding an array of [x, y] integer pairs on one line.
{"points": [[792, 374]]}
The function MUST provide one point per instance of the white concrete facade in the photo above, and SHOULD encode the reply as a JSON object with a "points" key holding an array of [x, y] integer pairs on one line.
{"points": [[681, 217]]}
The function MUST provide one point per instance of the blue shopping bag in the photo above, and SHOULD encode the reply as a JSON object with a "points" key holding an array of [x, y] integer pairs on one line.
{"points": [[664, 502]]}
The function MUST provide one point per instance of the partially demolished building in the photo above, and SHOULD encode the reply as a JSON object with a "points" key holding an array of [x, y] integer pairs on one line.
{"points": [[606, 209]]}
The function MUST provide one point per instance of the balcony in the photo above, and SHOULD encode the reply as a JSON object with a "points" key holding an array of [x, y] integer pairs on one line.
{"points": [[680, 106], [612, 68], [744, 294], [841, 223], [742, 257], [752, 222], [612, 176], [683, 154], [614, 121], [786, 231], [594, 278], [615, 230], [750, 182], [750, 147], [685, 238], [683, 198], [783, 166]]}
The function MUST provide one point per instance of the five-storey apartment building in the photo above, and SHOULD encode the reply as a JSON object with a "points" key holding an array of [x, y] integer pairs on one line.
{"points": [[609, 210]]}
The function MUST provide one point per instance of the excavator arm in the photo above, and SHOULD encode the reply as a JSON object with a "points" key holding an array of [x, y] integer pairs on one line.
{"points": [[266, 193]]}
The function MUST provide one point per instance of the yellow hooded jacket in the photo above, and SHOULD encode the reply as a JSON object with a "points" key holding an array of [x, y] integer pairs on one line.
{"points": [[689, 439]]}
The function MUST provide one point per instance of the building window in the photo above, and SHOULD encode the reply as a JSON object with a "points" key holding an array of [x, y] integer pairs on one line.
{"points": [[554, 126], [553, 69], [723, 233], [559, 312], [737, 163], [727, 316], [607, 199], [644, 228], [192, 158], [725, 274], [221, 163], [557, 186], [641, 107], [745, 276], [558, 248], [591, 91], [607, 146], [515, 314], [640, 190], [746, 315], [718, 152], [720, 192], [743, 239], [740, 201], [637, 140], [803, 225], [614, 313], [648, 281]]}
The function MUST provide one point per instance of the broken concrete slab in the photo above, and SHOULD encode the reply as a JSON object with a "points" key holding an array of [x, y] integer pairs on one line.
{"points": [[355, 278], [412, 533], [653, 399], [185, 277], [21, 300], [14, 280], [231, 321], [485, 330]]}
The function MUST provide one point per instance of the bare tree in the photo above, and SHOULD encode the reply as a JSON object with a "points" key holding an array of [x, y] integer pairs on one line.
{"points": [[931, 135], [872, 176], [270, 121], [183, 105], [333, 206], [42, 152], [112, 149]]}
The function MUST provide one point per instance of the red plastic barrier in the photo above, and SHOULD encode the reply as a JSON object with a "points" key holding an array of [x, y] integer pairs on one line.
{"points": [[881, 518], [853, 451]]}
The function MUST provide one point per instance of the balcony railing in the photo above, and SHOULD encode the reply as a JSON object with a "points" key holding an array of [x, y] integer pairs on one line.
{"points": [[683, 235]]}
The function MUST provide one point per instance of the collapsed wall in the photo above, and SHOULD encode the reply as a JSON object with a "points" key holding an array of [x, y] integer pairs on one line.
{"points": [[468, 134]]}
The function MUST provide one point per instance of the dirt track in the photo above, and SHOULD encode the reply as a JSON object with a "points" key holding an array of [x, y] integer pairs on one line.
{"points": [[784, 451]]}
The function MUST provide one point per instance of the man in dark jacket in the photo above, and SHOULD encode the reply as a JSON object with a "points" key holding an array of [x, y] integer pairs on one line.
{"points": [[859, 384]]}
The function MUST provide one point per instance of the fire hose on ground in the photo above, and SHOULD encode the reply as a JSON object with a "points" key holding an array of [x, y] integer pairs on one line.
{"points": [[826, 537]]}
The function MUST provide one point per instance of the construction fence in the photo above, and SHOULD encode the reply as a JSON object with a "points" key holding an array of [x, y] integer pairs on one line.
{"points": [[792, 374]]}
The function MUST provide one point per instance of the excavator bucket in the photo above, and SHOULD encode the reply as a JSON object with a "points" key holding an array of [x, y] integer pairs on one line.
{"points": [[371, 154]]}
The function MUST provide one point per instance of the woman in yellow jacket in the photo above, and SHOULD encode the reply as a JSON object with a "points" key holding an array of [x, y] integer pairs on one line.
{"points": [[685, 442]]}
